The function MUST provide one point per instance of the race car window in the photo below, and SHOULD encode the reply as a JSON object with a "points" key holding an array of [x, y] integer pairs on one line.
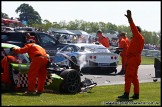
{"points": [[3, 37], [97, 49], [70, 48]]}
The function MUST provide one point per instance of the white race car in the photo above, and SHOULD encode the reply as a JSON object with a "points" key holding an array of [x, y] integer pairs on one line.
{"points": [[91, 57]]}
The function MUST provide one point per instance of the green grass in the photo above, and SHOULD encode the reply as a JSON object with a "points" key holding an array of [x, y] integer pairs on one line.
{"points": [[98, 96], [145, 60]]}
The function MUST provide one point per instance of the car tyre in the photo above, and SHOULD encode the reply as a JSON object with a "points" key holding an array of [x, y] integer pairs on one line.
{"points": [[71, 81]]}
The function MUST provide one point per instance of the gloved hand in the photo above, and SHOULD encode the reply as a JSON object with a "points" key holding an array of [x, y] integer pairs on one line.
{"points": [[11, 49], [117, 52], [128, 15]]}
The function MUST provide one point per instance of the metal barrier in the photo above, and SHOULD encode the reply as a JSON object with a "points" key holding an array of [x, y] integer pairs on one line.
{"points": [[151, 53]]}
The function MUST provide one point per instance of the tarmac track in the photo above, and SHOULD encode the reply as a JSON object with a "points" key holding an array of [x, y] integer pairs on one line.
{"points": [[146, 73]]}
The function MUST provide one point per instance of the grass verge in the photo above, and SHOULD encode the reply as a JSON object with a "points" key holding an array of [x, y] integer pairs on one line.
{"points": [[98, 96], [145, 60]]}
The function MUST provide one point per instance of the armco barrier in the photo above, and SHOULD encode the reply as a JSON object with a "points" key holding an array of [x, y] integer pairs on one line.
{"points": [[151, 53]]}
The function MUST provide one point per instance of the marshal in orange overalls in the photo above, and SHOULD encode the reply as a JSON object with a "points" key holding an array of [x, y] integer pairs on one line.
{"points": [[123, 44], [5, 76], [37, 68], [127, 40], [103, 40], [133, 59]]}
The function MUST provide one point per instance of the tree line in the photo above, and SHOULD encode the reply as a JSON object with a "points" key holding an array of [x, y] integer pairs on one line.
{"points": [[27, 13]]}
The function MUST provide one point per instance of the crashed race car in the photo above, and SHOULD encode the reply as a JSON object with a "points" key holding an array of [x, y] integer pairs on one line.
{"points": [[90, 57], [59, 78]]}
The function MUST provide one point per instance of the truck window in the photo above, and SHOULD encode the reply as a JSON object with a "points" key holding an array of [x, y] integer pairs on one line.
{"points": [[46, 40]]}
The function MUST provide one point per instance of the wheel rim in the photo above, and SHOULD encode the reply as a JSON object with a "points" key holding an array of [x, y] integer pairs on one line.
{"points": [[73, 81]]}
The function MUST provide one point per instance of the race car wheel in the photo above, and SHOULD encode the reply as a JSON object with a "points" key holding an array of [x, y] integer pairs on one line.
{"points": [[71, 82]]}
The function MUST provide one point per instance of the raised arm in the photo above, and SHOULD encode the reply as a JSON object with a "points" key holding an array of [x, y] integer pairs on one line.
{"points": [[132, 25]]}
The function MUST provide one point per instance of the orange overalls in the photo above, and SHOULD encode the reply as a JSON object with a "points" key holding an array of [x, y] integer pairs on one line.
{"points": [[5, 76], [133, 59], [123, 54], [127, 40], [103, 40], [37, 68]]}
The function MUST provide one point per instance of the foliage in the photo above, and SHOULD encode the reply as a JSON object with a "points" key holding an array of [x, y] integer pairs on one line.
{"points": [[4, 15], [27, 13]]}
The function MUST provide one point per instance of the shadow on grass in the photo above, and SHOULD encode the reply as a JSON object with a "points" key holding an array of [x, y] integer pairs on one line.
{"points": [[124, 100], [99, 73], [20, 93]]}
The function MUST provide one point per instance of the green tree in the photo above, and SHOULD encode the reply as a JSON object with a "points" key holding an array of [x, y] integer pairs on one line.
{"points": [[73, 25], [155, 38], [4, 15], [46, 25], [28, 14], [63, 24]]}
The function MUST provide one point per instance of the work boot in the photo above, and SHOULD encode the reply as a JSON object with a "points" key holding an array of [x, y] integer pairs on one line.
{"points": [[39, 92], [122, 72], [135, 96], [124, 96]]}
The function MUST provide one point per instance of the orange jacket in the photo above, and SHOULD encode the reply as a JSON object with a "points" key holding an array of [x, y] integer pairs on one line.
{"points": [[104, 41], [137, 42], [127, 40], [5, 76], [32, 49], [124, 46]]}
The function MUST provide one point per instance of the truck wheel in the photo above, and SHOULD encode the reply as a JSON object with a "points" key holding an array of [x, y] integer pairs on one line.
{"points": [[71, 82]]}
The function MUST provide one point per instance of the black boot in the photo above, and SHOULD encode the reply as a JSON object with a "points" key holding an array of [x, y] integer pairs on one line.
{"points": [[122, 72], [124, 96], [135, 96]]}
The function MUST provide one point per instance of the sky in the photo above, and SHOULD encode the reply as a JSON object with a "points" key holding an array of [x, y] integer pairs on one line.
{"points": [[146, 14]]}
